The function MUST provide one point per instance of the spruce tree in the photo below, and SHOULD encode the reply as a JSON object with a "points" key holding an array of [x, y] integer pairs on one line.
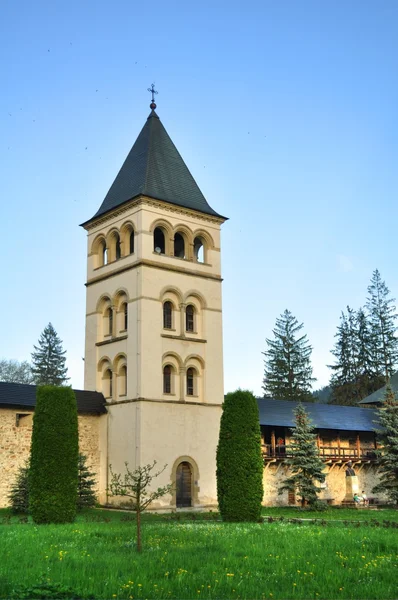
{"points": [[288, 370], [53, 477], [388, 453], [353, 375], [86, 483], [48, 360], [305, 464], [239, 461], [367, 380], [343, 380], [19, 493], [382, 317]]}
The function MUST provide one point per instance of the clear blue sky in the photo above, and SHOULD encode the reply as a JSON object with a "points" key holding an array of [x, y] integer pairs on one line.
{"points": [[285, 113]]}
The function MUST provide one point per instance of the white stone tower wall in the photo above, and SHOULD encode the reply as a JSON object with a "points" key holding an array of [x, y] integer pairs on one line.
{"points": [[145, 424]]}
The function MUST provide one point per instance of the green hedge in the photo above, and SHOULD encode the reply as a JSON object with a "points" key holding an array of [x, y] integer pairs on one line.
{"points": [[54, 456], [239, 460]]}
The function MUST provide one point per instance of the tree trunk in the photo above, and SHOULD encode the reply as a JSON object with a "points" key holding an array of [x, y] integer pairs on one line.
{"points": [[139, 546]]}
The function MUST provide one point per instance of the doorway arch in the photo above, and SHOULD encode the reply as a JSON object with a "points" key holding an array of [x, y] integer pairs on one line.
{"points": [[185, 466], [184, 485]]}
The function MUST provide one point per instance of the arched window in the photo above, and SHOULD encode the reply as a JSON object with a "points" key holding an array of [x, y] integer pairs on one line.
{"points": [[198, 250], [108, 388], [118, 251], [179, 246], [131, 242], [167, 371], [167, 315], [159, 243], [101, 253], [190, 381], [98, 250], [125, 315], [122, 381], [190, 318], [109, 314]]}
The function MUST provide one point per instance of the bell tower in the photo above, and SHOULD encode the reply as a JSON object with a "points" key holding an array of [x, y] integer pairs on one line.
{"points": [[154, 319]]}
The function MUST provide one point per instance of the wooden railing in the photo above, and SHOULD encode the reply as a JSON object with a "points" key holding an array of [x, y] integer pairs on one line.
{"points": [[325, 452]]}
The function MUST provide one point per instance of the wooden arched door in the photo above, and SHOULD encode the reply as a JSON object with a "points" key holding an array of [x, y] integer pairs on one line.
{"points": [[184, 485]]}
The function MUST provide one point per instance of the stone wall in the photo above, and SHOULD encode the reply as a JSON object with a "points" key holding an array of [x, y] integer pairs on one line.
{"points": [[15, 436], [335, 484]]}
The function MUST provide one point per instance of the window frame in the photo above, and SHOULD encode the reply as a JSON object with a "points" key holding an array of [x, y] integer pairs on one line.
{"points": [[125, 316], [109, 379], [168, 317], [118, 248], [167, 383], [190, 318], [109, 315], [191, 381]]}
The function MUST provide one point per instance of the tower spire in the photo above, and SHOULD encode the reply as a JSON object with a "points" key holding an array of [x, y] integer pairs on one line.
{"points": [[153, 92]]}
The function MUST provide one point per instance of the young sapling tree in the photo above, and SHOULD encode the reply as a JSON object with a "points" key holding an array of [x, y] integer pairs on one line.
{"points": [[137, 486]]}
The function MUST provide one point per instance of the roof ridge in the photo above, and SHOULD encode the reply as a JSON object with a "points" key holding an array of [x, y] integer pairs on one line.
{"points": [[149, 124]]}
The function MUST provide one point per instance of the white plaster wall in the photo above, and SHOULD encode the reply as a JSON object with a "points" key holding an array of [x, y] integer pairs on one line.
{"points": [[166, 432]]}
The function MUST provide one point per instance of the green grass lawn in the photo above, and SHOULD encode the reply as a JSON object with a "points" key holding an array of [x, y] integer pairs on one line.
{"points": [[333, 513], [204, 558]]}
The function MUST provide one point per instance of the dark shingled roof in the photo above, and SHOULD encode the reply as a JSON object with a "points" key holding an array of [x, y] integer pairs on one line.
{"points": [[155, 168], [324, 416], [24, 396], [378, 396]]}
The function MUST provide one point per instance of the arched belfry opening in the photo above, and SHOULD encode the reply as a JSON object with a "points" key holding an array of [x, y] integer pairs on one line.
{"points": [[179, 246], [184, 485], [159, 242]]}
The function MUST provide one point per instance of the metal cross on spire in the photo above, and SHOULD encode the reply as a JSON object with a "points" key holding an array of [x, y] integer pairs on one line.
{"points": [[153, 92]]}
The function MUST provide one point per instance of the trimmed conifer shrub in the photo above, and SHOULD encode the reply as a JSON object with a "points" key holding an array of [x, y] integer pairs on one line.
{"points": [[19, 493], [54, 456], [85, 490], [239, 460]]}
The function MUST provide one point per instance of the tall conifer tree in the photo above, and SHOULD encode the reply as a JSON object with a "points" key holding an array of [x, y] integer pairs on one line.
{"points": [[382, 317], [388, 454], [288, 370], [305, 464], [367, 379], [344, 370], [353, 376], [48, 359]]}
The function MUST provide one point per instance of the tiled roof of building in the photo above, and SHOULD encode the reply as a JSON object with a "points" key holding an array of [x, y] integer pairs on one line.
{"points": [[24, 396], [378, 396], [324, 416], [155, 168]]}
